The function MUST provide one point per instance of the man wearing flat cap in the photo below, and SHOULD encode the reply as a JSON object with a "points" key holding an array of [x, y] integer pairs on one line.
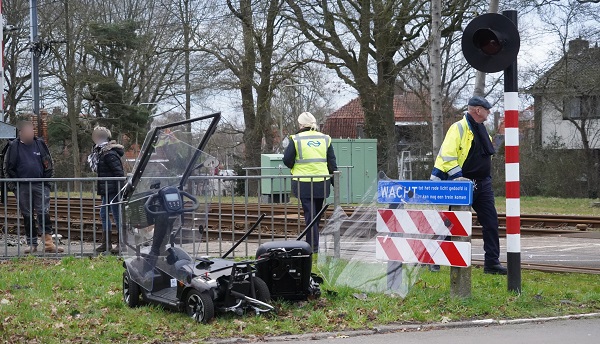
{"points": [[466, 154]]}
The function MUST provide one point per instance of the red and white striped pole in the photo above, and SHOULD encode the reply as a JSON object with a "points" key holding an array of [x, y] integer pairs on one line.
{"points": [[513, 185]]}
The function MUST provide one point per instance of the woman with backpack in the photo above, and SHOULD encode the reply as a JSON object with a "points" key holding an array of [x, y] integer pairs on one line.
{"points": [[105, 160]]}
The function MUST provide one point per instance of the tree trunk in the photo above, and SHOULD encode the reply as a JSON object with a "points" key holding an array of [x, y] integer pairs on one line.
{"points": [[435, 76], [71, 92], [378, 106], [252, 134], [263, 113]]}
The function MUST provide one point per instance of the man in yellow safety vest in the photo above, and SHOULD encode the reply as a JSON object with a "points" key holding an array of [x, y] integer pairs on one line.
{"points": [[311, 158], [466, 154]]}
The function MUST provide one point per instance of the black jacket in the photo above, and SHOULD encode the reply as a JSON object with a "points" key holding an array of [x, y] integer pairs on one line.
{"points": [[110, 165], [11, 160]]}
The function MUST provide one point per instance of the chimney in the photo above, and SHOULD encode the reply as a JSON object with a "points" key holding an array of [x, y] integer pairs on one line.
{"points": [[34, 120], [578, 45]]}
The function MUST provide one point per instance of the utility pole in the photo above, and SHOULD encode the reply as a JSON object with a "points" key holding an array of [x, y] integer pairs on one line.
{"points": [[35, 64], [435, 77], [185, 16]]}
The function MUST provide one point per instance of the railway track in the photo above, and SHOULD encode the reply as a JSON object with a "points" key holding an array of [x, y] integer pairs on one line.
{"points": [[81, 217], [78, 219], [89, 208]]}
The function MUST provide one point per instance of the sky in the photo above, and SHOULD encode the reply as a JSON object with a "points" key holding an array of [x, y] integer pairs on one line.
{"points": [[540, 47]]}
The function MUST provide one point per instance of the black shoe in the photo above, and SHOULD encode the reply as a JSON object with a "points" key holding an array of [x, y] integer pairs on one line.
{"points": [[495, 270], [434, 268]]}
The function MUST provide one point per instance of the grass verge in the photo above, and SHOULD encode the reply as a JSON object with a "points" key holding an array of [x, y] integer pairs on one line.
{"points": [[79, 300], [552, 205]]}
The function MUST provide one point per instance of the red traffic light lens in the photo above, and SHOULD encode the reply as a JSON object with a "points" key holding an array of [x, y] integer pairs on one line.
{"points": [[487, 41]]}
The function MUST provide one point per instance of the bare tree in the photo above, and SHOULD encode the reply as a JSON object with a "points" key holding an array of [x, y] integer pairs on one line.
{"points": [[255, 44], [367, 44], [124, 54], [63, 21], [17, 68], [306, 91]]}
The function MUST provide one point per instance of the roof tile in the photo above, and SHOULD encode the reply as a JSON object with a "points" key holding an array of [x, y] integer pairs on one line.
{"points": [[344, 122]]}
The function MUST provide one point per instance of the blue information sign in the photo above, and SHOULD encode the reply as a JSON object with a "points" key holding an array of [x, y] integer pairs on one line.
{"points": [[425, 192]]}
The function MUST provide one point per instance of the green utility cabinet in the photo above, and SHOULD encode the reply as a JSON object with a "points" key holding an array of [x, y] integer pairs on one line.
{"points": [[357, 162], [274, 190]]}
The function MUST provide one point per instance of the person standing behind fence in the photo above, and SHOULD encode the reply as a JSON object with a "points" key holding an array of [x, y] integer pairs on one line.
{"points": [[105, 160], [28, 157], [309, 154]]}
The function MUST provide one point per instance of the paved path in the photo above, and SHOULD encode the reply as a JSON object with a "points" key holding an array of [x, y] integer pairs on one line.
{"points": [[551, 250], [552, 332]]}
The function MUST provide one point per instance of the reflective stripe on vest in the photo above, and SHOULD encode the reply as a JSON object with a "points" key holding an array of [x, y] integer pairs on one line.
{"points": [[461, 130], [311, 155], [461, 133]]}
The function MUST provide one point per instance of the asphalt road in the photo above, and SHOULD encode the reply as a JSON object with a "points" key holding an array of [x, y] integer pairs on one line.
{"points": [[557, 250], [553, 332]]}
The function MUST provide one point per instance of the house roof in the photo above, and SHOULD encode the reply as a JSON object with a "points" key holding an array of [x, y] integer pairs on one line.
{"points": [[576, 73], [344, 122]]}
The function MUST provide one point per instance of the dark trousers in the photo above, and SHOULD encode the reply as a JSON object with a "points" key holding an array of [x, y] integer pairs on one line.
{"points": [[484, 206], [312, 206], [34, 198]]}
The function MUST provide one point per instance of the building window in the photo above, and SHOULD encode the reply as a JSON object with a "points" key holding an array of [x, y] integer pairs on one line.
{"points": [[572, 108], [583, 107]]}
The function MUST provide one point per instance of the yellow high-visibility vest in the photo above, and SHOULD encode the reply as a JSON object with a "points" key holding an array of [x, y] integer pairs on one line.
{"points": [[455, 148], [311, 155]]}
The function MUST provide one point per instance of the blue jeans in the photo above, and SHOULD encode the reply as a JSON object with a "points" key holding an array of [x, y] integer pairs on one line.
{"points": [[104, 213]]}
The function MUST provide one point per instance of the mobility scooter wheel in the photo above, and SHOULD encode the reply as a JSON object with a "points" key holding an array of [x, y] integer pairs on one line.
{"points": [[131, 291], [262, 290], [199, 306]]}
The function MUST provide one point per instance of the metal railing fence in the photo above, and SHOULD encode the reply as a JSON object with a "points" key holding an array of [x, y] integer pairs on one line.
{"points": [[229, 206]]}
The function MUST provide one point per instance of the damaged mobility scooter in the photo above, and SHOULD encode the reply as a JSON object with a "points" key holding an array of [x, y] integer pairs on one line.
{"points": [[163, 197]]}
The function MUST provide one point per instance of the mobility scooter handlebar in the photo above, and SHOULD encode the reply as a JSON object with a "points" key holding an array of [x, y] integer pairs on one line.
{"points": [[150, 205]]}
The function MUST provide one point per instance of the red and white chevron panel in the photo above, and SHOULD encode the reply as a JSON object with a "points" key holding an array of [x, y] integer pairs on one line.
{"points": [[432, 222], [424, 251]]}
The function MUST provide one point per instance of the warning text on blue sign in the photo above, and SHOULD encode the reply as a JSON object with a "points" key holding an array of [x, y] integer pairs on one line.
{"points": [[425, 192]]}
